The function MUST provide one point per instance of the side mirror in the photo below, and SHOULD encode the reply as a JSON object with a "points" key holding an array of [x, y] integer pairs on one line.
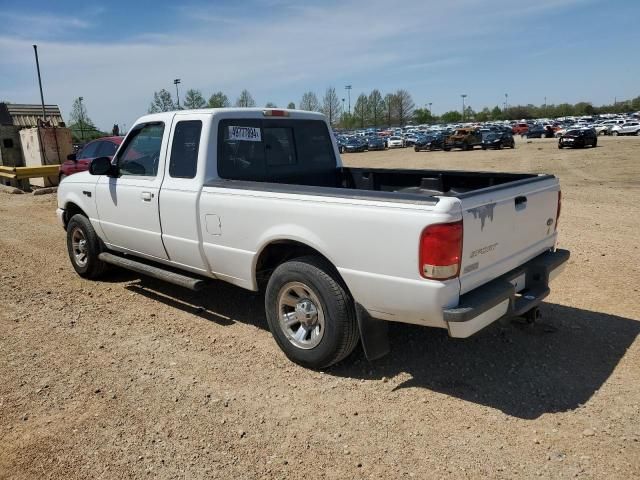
{"points": [[72, 157], [101, 166]]}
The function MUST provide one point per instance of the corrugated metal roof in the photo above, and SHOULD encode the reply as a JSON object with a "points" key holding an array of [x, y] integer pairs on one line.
{"points": [[26, 115]]}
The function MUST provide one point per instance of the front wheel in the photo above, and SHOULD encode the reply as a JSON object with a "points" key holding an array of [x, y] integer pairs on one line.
{"points": [[83, 246], [310, 313], [614, 133]]}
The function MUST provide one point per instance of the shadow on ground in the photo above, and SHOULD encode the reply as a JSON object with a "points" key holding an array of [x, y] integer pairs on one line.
{"points": [[524, 371]]}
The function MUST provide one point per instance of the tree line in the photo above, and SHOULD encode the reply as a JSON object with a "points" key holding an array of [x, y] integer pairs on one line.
{"points": [[391, 109]]}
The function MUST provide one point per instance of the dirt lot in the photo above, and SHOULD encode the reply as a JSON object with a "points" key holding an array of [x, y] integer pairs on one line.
{"points": [[130, 378]]}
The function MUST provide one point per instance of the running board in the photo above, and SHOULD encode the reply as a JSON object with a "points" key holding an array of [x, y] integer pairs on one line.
{"points": [[151, 271]]}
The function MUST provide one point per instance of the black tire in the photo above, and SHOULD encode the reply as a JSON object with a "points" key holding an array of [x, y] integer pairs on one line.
{"points": [[615, 133], [484, 147], [500, 146], [416, 149], [341, 149], [560, 145], [80, 229], [340, 330], [595, 142]]}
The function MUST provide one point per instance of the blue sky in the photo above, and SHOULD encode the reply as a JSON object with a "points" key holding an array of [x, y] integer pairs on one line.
{"points": [[116, 54]]}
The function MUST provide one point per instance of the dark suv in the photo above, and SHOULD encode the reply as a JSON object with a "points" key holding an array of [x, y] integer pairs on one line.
{"points": [[578, 138], [497, 139]]}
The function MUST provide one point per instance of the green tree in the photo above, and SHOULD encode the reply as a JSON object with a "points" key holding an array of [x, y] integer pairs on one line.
{"points": [[331, 105], [194, 99], [82, 127], [361, 110], [162, 102], [270, 105], [218, 100], [376, 107], [291, 106], [484, 115], [452, 116], [309, 102], [423, 115], [496, 113], [245, 100]]}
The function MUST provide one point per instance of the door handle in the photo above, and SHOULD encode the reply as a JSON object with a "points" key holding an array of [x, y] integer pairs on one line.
{"points": [[521, 202], [146, 196]]}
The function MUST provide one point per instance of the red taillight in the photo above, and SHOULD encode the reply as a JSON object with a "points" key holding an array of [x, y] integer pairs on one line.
{"points": [[275, 113], [558, 211], [441, 251]]}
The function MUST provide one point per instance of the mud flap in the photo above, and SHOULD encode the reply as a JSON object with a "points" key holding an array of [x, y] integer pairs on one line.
{"points": [[374, 334]]}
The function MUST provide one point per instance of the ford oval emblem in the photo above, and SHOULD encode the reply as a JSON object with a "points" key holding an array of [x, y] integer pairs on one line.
{"points": [[549, 222]]}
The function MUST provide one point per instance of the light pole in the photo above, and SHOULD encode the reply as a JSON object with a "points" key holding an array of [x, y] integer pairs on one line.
{"points": [[430, 114], [545, 106], [80, 99], [506, 101], [348, 89], [44, 115], [463, 95], [176, 82]]}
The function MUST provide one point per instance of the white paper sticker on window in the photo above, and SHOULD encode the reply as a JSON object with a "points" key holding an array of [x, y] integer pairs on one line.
{"points": [[247, 134]]}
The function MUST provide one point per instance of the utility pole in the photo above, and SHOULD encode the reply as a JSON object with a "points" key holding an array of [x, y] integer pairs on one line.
{"points": [[506, 101], [430, 114], [545, 106], [44, 114], [176, 82], [463, 95], [348, 89]]}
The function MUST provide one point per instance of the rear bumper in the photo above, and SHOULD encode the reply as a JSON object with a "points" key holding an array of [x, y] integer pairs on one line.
{"points": [[498, 298]]}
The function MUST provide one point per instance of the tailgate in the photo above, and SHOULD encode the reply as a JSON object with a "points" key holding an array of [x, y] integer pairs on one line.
{"points": [[505, 228]]}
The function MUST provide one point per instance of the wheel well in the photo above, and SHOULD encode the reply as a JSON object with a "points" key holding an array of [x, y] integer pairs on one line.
{"points": [[70, 210], [278, 252]]}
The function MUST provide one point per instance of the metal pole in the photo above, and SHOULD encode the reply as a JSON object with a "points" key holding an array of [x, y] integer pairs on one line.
{"points": [[176, 82], [44, 115], [463, 97], [81, 118], [348, 89]]}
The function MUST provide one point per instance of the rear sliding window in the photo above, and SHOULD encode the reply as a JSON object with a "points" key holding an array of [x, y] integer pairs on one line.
{"points": [[274, 150]]}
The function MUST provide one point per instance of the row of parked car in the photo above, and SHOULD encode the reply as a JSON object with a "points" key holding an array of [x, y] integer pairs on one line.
{"points": [[465, 138]]}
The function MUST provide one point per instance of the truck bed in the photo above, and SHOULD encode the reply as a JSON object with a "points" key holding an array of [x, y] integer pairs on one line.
{"points": [[414, 186]]}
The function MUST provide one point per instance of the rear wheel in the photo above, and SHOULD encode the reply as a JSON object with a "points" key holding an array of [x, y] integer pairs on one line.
{"points": [[615, 133], [416, 149], [84, 246], [559, 145], [310, 313]]}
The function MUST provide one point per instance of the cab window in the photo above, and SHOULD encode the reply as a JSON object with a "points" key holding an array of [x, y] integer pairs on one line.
{"points": [[184, 149], [141, 153]]}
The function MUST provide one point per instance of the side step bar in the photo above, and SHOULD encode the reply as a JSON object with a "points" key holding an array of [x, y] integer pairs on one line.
{"points": [[151, 271]]}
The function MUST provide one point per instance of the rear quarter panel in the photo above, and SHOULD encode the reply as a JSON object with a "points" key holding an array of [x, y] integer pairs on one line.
{"points": [[374, 245]]}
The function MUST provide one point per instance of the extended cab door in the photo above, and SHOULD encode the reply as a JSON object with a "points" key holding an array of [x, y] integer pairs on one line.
{"points": [[180, 195], [128, 205]]}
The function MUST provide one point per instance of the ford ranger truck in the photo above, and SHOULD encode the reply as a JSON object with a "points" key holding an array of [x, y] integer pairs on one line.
{"points": [[259, 198]]}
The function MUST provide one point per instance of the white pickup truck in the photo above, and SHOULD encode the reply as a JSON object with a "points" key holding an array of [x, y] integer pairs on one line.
{"points": [[260, 199]]}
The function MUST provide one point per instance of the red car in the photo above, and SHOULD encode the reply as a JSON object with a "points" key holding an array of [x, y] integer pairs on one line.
{"points": [[520, 128], [79, 162]]}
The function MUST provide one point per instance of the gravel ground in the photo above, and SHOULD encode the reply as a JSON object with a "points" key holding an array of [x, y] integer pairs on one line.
{"points": [[131, 378]]}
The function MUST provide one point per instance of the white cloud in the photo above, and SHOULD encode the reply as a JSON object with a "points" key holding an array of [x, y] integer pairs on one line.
{"points": [[277, 57]]}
